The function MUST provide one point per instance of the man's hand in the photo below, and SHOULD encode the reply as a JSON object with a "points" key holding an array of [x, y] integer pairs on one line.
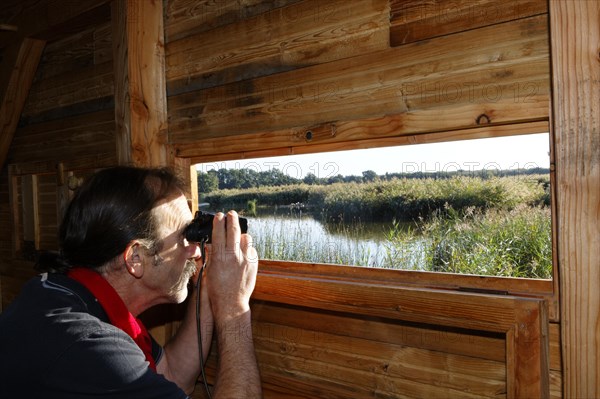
{"points": [[232, 268]]}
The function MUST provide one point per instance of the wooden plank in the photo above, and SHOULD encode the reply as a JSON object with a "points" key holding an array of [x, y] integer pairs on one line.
{"points": [[530, 374], [72, 87], [140, 91], [523, 320], [63, 193], [461, 310], [308, 33], [296, 348], [356, 383], [320, 324], [555, 384], [344, 135], [15, 214], [554, 343], [91, 46], [16, 75], [69, 138], [445, 81], [414, 20], [80, 164], [187, 17], [575, 34]]}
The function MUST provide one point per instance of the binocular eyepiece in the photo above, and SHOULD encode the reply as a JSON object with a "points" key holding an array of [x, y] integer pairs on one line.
{"points": [[200, 229]]}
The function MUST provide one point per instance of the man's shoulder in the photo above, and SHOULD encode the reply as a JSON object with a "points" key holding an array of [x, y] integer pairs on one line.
{"points": [[49, 315], [55, 337], [53, 295]]}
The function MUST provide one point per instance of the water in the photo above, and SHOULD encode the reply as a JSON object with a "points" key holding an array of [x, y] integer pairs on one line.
{"points": [[295, 235]]}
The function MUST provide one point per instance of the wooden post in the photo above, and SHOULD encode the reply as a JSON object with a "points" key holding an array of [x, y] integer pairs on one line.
{"points": [[16, 75], [140, 91], [575, 37]]}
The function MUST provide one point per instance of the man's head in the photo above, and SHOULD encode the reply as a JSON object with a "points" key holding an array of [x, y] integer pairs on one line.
{"points": [[112, 208], [128, 219]]}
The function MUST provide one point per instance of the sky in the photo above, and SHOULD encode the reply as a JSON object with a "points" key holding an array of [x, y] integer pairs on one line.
{"points": [[502, 153]]}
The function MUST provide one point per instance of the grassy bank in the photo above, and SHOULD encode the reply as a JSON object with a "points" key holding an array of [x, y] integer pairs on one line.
{"points": [[400, 199]]}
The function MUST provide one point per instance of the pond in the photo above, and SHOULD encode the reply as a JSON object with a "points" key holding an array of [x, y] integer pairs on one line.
{"points": [[294, 235]]}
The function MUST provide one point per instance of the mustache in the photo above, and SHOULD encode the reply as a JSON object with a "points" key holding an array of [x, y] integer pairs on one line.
{"points": [[189, 269]]}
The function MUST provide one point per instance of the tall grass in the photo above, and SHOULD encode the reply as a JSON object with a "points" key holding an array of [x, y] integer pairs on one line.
{"points": [[515, 243]]}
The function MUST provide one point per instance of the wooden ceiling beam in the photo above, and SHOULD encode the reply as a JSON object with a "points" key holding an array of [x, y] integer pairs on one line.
{"points": [[16, 75], [140, 88]]}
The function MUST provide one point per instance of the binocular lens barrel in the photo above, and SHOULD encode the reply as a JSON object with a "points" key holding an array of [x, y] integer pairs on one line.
{"points": [[200, 229]]}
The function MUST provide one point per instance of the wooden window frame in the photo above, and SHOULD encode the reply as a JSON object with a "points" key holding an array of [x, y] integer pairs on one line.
{"points": [[538, 288], [518, 308]]}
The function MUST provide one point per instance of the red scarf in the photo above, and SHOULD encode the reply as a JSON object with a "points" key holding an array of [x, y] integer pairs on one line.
{"points": [[115, 309]]}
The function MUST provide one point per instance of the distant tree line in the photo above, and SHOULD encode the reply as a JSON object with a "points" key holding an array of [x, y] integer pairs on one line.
{"points": [[221, 179]]}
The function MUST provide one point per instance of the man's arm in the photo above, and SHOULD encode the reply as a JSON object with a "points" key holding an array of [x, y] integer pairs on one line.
{"points": [[181, 359], [231, 277]]}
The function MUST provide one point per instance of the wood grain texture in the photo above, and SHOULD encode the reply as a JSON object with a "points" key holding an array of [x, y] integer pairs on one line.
{"points": [[92, 46], [414, 20], [281, 39], [140, 92], [187, 17], [69, 138], [523, 321], [320, 331], [393, 130], [575, 34], [69, 88], [448, 80]]}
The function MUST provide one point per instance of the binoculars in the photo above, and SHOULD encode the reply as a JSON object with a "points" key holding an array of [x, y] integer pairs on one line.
{"points": [[200, 229]]}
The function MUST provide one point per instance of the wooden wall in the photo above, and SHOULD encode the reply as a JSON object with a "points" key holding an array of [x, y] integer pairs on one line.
{"points": [[66, 127], [254, 78], [243, 83]]}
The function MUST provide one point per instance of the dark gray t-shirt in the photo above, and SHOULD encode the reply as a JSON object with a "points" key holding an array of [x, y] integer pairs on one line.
{"points": [[56, 342]]}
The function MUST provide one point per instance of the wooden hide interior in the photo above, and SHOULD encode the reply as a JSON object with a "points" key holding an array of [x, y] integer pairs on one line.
{"points": [[91, 84]]}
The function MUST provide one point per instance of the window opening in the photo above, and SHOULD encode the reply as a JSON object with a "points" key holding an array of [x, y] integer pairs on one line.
{"points": [[478, 206]]}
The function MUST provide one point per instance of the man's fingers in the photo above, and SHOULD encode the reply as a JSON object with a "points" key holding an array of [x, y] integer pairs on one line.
{"points": [[218, 233], [247, 247], [233, 231]]}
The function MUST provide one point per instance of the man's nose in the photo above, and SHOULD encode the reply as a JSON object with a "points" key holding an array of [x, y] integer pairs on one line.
{"points": [[194, 250]]}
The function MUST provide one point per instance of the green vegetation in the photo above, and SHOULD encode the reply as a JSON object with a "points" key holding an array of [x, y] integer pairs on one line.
{"points": [[251, 207], [512, 243], [400, 199], [492, 225], [223, 179]]}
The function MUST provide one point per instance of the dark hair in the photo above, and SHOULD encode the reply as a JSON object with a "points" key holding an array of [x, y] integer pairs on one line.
{"points": [[111, 208]]}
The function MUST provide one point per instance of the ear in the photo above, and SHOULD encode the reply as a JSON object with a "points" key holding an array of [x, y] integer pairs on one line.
{"points": [[133, 258]]}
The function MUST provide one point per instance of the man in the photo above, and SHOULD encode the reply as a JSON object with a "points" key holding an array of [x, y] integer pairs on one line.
{"points": [[74, 333]]}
